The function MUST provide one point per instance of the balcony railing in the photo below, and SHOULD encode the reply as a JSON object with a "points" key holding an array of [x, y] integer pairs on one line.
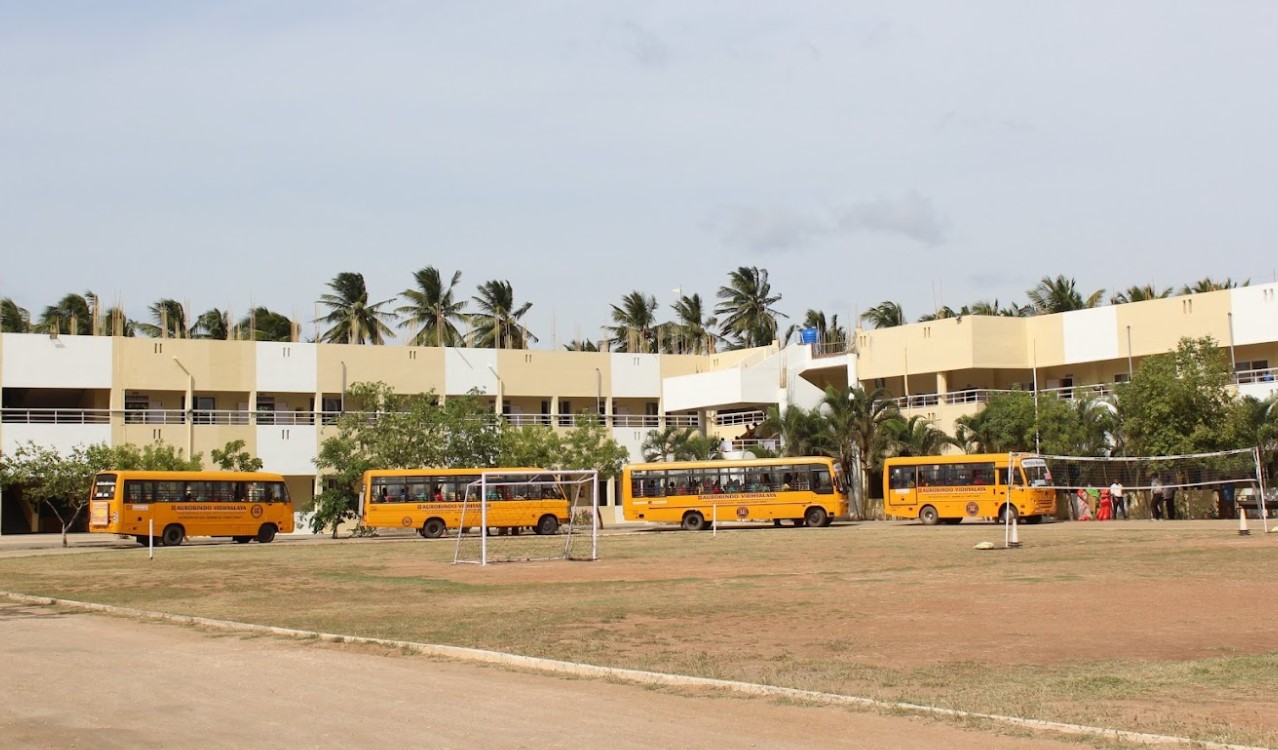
{"points": [[739, 418], [57, 416]]}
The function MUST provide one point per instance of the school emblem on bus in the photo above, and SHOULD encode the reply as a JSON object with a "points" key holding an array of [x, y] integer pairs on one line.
{"points": [[742, 512], [407, 521], [972, 508], [256, 511]]}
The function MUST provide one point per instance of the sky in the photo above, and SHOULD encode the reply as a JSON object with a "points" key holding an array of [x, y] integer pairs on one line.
{"points": [[238, 154]]}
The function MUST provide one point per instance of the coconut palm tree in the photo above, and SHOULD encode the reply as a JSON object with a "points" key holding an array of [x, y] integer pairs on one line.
{"points": [[14, 319], [74, 314], [886, 314], [1211, 285], [116, 323], [797, 428], [857, 433], [1139, 294], [432, 307], [354, 320], [916, 436], [942, 314], [635, 319], [212, 324], [666, 444], [496, 325], [1061, 295], [581, 345], [748, 301], [170, 320], [262, 324], [693, 326]]}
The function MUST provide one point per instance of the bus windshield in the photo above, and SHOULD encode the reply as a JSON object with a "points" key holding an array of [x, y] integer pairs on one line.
{"points": [[1036, 472]]}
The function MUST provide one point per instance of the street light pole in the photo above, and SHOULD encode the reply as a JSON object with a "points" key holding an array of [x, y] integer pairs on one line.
{"points": [[190, 409], [599, 393], [501, 388]]}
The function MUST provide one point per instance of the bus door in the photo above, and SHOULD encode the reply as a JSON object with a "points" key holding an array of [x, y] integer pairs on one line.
{"points": [[902, 486]]}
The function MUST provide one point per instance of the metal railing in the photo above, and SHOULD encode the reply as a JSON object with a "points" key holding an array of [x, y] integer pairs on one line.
{"points": [[1264, 375], [739, 418], [57, 416]]}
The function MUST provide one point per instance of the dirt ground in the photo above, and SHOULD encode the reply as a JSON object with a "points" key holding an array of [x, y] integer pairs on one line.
{"points": [[93, 681]]}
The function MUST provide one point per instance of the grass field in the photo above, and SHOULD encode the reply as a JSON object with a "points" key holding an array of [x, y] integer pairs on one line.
{"points": [[1155, 627]]}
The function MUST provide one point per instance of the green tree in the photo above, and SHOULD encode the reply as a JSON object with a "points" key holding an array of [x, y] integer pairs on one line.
{"points": [[212, 324], [353, 319], [798, 429], [830, 335], [693, 326], [886, 314], [747, 301], [1061, 295], [665, 444], [233, 457], [74, 314], [581, 345], [635, 321], [497, 324], [14, 319], [1209, 284], [857, 435], [262, 324], [1139, 294], [433, 309], [1254, 423], [1179, 402], [170, 320], [916, 436]]}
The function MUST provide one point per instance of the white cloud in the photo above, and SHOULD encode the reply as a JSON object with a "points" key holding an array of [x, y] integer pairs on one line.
{"points": [[771, 229]]}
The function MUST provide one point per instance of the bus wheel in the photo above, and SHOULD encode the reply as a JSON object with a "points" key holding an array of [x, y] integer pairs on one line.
{"points": [[547, 525], [815, 516], [776, 523], [1005, 512], [928, 516], [173, 535], [242, 539], [266, 534], [829, 519], [694, 521], [433, 528]]}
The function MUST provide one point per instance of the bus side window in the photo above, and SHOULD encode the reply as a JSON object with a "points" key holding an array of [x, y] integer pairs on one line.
{"points": [[821, 481], [1002, 477]]}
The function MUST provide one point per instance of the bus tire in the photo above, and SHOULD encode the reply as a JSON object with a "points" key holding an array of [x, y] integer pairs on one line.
{"points": [[242, 539], [928, 515], [694, 521], [776, 523], [829, 519], [815, 516], [173, 535], [434, 528], [266, 534], [547, 525], [1005, 511]]}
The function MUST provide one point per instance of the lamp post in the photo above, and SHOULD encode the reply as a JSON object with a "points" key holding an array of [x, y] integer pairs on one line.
{"points": [[1233, 363], [190, 408], [1129, 354], [342, 405], [599, 393]]}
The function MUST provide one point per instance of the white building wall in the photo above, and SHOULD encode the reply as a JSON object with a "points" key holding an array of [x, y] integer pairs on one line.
{"points": [[707, 390], [1090, 335], [1259, 391], [288, 449], [1255, 314], [61, 437], [465, 369], [33, 360], [287, 367], [635, 375]]}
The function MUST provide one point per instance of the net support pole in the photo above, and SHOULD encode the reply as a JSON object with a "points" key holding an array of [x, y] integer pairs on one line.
{"points": [[714, 519], [483, 519], [594, 517], [1007, 512], [150, 539], [1260, 487]]}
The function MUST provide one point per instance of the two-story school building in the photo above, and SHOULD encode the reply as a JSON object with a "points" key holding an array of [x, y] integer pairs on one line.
{"points": [[281, 398]]}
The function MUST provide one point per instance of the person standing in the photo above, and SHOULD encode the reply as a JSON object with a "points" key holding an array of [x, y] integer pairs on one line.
{"points": [[1116, 496], [1156, 498], [1169, 500]]}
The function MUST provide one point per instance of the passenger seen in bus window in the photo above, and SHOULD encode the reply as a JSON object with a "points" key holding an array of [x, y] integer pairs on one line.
{"points": [[785, 482]]}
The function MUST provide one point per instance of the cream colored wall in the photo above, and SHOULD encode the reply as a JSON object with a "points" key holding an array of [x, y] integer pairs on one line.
{"points": [[545, 374], [148, 364], [1157, 326], [406, 369]]}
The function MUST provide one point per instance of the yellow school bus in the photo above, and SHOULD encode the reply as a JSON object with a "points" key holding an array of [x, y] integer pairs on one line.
{"points": [[948, 489], [174, 505], [432, 500], [809, 491]]}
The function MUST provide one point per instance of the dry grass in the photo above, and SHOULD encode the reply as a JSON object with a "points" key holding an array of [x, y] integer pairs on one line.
{"points": [[1106, 624]]}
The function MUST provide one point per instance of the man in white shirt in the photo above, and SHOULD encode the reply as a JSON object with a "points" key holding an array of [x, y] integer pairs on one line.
{"points": [[1120, 503]]}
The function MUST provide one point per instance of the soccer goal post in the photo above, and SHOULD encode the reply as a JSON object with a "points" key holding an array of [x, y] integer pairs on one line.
{"points": [[525, 515]]}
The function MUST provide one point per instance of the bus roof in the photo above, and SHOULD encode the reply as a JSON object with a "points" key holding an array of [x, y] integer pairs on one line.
{"points": [[744, 463], [451, 472], [195, 476], [1000, 459]]}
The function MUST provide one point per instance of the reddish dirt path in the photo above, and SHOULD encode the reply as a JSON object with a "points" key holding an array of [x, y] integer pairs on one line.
{"points": [[76, 680]]}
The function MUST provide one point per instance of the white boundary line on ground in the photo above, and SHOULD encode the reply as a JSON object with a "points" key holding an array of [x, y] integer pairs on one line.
{"points": [[633, 676]]}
